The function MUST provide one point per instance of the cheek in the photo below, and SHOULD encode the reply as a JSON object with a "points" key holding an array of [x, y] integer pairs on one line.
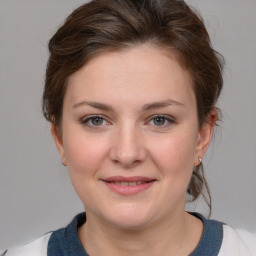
{"points": [[84, 153], [85, 156], [174, 155]]}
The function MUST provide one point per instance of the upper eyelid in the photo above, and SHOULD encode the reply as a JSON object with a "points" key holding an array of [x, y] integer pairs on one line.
{"points": [[93, 116], [164, 116]]}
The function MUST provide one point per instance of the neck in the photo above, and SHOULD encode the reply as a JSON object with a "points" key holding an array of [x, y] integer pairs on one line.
{"points": [[178, 235]]}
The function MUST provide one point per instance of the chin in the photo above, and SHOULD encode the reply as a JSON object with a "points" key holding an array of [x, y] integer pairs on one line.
{"points": [[130, 223], [129, 218]]}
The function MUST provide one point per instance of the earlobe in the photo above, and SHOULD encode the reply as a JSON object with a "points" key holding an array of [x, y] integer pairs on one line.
{"points": [[205, 136], [59, 143]]}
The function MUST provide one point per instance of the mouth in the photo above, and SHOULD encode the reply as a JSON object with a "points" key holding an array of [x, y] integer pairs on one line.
{"points": [[128, 185], [123, 183]]}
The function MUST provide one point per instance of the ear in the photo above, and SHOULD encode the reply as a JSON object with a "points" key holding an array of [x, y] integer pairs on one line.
{"points": [[59, 143], [205, 136]]}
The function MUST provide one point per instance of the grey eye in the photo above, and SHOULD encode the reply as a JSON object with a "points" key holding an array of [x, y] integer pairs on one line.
{"points": [[96, 121], [159, 121]]}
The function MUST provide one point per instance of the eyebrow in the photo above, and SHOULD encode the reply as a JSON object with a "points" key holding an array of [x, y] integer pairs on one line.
{"points": [[147, 107], [93, 104], [161, 104]]}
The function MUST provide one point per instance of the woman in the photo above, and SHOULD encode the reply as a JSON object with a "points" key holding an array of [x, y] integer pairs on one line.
{"points": [[131, 90]]}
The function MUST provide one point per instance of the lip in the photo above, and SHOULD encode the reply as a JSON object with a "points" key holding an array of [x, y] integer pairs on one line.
{"points": [[114, 184]]}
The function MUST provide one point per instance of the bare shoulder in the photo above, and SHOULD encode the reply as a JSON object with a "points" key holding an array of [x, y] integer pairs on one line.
{"points": [[238, 242], [37, 247]]}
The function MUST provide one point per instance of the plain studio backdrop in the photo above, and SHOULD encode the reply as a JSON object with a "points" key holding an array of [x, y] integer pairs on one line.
{"points": [[36, 195]]}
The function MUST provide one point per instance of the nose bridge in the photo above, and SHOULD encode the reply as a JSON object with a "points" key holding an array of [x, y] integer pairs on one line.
{"points": [[128, 148]]}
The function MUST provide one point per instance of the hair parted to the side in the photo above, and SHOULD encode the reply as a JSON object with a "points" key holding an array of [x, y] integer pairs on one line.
{"points": [[115, 25]]}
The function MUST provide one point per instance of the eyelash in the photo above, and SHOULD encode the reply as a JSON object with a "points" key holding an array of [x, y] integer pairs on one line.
{"points": [[88, 121], [90, 118], [167, 119]]}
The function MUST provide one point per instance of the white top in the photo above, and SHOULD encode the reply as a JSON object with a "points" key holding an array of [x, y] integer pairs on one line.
{"points": [[237, 243]]}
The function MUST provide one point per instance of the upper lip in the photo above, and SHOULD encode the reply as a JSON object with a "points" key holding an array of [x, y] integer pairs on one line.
{"points": [[128, 179]]}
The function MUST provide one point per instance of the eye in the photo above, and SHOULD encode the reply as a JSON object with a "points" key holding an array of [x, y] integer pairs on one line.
{"points": [[94, 121], [160, 120]]}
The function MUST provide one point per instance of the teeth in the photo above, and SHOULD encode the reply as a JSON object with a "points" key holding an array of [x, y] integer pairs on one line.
{"points": [[128, 183]]}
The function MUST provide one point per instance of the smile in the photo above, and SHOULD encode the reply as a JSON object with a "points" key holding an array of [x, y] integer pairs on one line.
{"points": [[128, 185]]}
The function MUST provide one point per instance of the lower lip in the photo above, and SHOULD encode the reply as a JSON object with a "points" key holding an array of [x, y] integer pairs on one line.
{"points": [[128, 190]]}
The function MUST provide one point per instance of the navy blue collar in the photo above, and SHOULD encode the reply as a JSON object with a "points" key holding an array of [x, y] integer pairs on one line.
{"points": [[65, 241], [211, 239]]}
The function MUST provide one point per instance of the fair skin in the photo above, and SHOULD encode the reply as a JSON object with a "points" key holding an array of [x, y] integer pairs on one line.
{"points": [[132, 114]]}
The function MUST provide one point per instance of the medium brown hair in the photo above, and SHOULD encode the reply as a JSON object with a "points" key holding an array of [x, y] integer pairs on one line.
{"points": [[113, 25]]}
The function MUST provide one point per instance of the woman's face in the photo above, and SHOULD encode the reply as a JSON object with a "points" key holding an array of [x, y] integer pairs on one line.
{"points": [[130, 136]]}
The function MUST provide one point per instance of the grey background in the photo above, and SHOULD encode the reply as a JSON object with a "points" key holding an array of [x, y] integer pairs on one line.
{"points": [[36, 195]]}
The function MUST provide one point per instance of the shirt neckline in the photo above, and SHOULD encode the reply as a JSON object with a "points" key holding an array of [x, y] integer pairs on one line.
{"points": [[65, 241]]}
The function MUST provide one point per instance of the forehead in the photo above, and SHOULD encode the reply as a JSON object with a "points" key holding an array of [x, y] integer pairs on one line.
{"points": [[143, 72]]}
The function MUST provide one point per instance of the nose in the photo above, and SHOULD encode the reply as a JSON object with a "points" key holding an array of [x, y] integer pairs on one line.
{"points": [[127, 147]]}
